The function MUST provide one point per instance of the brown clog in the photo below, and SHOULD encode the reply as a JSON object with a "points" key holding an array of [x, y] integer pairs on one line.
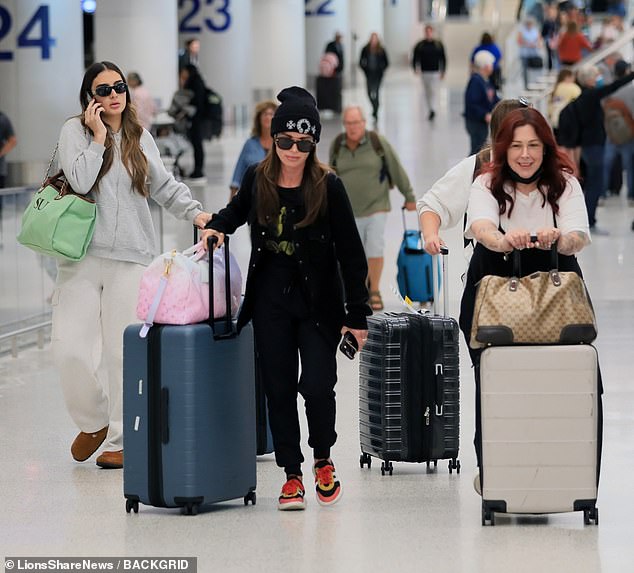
{"points": [[111, 460], [85, 445]]}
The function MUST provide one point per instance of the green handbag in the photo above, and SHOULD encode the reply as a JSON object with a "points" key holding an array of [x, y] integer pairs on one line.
{"points": [[58, 222]]}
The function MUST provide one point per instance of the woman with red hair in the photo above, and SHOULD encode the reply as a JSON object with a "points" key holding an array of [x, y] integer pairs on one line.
{"points": [[526, 191]]}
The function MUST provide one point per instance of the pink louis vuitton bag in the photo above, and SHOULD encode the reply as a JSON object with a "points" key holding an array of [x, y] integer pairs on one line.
{"points": [[174, 289]]}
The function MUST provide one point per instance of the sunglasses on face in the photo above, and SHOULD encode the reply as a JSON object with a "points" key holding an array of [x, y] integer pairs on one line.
{"points": [[105, 90], [303, 145]]}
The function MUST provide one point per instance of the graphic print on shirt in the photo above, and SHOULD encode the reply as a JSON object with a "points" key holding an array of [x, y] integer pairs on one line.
{"points": [[283, 245]]}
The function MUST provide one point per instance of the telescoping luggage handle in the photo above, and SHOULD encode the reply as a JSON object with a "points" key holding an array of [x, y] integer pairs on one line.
{"points": [[444, 252], [405, 224], [229, 331]]}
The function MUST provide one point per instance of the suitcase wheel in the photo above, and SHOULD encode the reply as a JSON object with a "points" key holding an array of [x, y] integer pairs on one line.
{"points": [[386, 467], [590, 515], [190, 508], [365, 459], [487, 515], [454, 464], [250, 497], [131, 505], [435, 464]]}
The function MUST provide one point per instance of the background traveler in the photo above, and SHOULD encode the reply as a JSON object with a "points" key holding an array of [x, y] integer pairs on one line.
{"points": [[8, 141], [479, 100], [429, 57], [192, 81], [488, 43], [369, 166], [190, 54], [373, 62], [146, 109], [258, 145], [592, 135], [336, 47]]}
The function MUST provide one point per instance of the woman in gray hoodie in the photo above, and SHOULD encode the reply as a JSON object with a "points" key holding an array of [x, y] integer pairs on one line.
{"points": [[107, 155]]}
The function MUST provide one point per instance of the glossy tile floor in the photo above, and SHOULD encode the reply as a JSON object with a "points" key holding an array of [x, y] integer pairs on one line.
{"points": [[414, 520]]}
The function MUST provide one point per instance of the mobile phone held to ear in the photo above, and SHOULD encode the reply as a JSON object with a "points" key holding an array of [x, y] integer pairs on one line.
{"points": [[349, 345]]}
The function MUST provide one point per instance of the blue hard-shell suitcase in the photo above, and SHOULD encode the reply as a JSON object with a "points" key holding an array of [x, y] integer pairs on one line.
{"points": [[189, 414]]}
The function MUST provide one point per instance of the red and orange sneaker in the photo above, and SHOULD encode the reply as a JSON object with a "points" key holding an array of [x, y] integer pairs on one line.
{"points": [[292, 496], [327, 486]]}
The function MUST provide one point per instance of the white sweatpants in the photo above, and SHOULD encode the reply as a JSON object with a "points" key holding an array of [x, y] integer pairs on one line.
{"points": [[94, 300], [431, 82]]}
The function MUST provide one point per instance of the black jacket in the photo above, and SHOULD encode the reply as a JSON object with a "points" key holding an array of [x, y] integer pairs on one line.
{"points": [[329, 254], [337, 49], [590, 113], [429, 56], [381, 61]]}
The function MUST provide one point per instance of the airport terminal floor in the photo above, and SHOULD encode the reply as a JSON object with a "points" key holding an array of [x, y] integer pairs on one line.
{"points": [[413, 520]]}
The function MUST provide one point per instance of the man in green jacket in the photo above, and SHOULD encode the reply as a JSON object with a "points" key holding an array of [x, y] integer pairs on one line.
{"points": [[369, 168]]}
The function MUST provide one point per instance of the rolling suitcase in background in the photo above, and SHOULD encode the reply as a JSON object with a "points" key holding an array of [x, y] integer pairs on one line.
{"points": [[329, 93], [409, 388], [414, 266], [189, 413], [541, 430]]}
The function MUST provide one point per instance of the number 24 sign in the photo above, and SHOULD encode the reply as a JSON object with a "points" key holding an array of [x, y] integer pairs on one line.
{"points": [[34, 34]]}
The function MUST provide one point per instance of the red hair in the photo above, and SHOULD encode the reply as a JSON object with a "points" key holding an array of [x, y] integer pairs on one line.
{"points": [[552, 180]]}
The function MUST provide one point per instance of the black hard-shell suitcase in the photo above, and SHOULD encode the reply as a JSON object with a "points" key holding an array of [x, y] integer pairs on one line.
{"points": [[329, 93], [189, 414], [409, 393]]}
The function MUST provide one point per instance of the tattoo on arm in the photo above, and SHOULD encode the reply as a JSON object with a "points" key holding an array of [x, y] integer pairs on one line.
{"points": [[489, 235], [572, 243]]}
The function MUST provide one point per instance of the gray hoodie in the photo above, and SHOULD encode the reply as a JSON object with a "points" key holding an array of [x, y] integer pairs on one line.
{"points": [[124, 230]]}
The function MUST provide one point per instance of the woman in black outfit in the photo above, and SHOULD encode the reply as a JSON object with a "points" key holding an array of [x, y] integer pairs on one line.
{"points": [[373, 62], [193, 81], [305, 287]]}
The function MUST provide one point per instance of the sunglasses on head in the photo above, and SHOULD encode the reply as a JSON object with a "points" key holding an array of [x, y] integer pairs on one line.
{"points": [[104, 90], [303, 145]]}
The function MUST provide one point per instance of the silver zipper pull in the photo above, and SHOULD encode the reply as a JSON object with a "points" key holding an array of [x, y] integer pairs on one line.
{"points": [[427, 416]]}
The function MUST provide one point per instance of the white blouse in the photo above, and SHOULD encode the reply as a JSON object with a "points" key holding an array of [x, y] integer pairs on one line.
{"points": [[528, 212]]}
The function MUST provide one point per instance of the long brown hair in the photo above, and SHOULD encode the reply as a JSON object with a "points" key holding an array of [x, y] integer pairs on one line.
{"points": [[552, 180], [313, 187], [260, 108], [132, 155]]}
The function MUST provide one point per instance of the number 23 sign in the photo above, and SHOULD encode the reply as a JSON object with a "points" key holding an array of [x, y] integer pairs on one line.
{"points": [[217, 15]]}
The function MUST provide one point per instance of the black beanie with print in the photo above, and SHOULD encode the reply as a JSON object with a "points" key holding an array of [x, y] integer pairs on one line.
{"points": [[297, 112]]}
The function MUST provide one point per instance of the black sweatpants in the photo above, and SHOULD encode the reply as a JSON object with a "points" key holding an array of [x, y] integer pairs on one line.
{"points": [[284, 333]]}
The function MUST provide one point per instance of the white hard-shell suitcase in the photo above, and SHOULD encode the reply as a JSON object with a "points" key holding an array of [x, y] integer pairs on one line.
{"points": [[540, 412]]}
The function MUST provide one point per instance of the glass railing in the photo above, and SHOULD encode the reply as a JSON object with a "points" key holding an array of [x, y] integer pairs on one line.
{"points": [[27, 279]]}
